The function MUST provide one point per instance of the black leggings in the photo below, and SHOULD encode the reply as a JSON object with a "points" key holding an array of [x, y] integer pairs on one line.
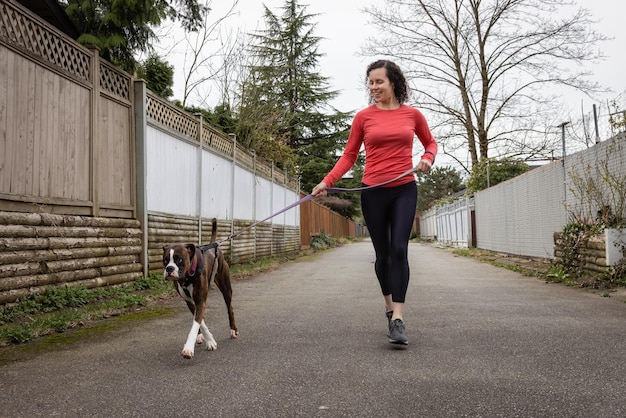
{"points": [[389, 213]]}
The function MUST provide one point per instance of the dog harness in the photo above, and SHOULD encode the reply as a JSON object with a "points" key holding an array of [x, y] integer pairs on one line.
{"points": [[197, 267]]}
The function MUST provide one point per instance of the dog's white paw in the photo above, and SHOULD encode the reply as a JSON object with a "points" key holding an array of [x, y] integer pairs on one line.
{"points": [[187, 353], [199, 339], [211, 345], [208, 337], [234, 334]]}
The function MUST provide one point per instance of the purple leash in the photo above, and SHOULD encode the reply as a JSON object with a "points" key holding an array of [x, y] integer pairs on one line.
{"points": [[310, 196], [360, 189], [293, 205]]}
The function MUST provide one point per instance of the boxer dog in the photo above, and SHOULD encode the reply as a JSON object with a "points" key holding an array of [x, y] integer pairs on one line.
{"points": [[192, 268]]}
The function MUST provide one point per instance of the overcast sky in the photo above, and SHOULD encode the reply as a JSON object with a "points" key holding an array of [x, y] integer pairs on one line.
{"points": [[344, 27]]}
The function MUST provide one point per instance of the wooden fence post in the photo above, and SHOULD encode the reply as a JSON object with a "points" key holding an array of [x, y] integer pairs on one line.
{"points": [[141, 157], [94, 129]]}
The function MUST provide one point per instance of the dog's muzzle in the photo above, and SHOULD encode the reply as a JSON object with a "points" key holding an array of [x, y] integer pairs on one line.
{"points": [[170, 273]]}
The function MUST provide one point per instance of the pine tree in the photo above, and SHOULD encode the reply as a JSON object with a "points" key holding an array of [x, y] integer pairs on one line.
{"points": [[439, 183], [159, 75], [288, 96]]}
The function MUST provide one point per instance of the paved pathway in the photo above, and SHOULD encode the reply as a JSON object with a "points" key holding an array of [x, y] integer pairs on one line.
{"points": [[484, 342]]}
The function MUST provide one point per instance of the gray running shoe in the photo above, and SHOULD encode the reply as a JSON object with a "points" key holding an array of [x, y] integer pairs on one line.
{"points": [[397, 332]]}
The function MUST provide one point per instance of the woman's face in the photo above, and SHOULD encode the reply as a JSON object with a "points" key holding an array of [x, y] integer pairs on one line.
{"points": [[381, 88]]}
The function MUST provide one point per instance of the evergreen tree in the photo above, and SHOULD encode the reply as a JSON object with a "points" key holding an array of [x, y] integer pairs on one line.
{"points": [[221, 117], [258, 128], [159, 75], [285, 97], [120, 28], [439, 183]]}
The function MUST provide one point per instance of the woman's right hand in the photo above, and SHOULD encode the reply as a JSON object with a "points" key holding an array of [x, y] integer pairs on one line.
{"points": [[320, 190]]}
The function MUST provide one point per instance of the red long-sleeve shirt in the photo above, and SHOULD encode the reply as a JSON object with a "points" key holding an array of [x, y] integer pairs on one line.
{"points": [[388, 137]]}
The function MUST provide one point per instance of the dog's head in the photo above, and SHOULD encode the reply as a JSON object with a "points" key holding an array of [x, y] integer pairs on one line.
{"points": [[178, 261]]}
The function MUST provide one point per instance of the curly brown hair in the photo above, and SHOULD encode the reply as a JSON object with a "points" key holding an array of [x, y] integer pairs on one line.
{"points": [[396, 77]]}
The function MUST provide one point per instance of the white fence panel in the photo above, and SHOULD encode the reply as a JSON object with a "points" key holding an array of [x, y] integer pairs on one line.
{"points": [[292, 216], [604, 160], [279, 201], [453, 223], [263, 193], [244, 194], [428, 223], [520, 216], [216, 186], [172, 168], [173, 171]]}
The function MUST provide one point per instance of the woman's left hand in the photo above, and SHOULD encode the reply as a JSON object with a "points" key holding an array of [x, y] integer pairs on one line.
{"points": [[424, 166]]}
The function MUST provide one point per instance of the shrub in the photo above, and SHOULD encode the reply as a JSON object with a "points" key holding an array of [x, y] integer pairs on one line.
{"points": [[322, 241]]}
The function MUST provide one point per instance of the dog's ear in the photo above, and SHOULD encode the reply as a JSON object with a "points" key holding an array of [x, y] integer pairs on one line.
{"points": [[165, 247], [191, 248]]}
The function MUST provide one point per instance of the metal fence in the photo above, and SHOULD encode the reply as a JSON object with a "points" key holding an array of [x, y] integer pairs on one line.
{"points": [[449, 224], [521, 215]]}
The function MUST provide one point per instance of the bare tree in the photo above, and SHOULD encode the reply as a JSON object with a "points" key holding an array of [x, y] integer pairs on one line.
{"points": [[209, 56], [483, 67]]}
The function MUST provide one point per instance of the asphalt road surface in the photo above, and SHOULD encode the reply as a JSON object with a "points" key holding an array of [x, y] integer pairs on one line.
{"points": [[483, 342]]}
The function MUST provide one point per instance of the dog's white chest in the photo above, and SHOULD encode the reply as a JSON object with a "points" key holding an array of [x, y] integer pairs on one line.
{"points": [[186, 292]]}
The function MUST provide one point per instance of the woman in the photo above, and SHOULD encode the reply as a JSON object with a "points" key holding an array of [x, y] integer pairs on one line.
{"points": [[387, 129]]}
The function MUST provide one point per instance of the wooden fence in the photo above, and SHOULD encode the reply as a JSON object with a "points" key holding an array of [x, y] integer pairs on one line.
{"points": [[67, 118], [67, 162], [316, 218]]}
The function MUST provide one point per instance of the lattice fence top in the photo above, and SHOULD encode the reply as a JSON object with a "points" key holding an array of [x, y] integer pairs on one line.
{"points": [[115, 81], [245, 159], [171, 117], [279, 177], [265, 170], [213, 139], [24, 31], [293, 183]]}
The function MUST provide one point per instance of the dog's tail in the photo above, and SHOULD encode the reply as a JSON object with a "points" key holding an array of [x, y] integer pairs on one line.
{"points": [[213, 230]]}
